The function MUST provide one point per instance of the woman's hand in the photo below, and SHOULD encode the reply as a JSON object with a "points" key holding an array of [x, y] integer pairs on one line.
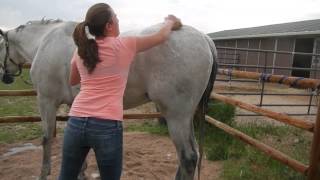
{"points": [[176, 22], [148, 41]]}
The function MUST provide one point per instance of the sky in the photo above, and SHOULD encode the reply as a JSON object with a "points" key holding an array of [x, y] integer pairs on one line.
{"points": [[205, 15]]}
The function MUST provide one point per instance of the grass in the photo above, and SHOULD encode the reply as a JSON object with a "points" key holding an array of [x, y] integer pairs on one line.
{"points": [[217, 141], [245, 161], [11, 133], [18, 106], [20, 82], [241, 161]]}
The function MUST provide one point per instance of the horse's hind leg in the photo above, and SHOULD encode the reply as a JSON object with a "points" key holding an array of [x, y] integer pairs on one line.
{"points": [[48, 116], [180, 127]]}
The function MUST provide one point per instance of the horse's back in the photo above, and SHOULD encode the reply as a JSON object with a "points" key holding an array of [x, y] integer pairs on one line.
{"points": [[187, 50], [179, 67]]}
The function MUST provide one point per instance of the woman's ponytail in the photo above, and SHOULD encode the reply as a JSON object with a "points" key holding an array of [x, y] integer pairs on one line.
{"points": [[86, 32], [87, 46]]}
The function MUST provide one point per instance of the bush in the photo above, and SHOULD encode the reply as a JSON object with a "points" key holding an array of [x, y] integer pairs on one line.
{"points": [[217, 142]]}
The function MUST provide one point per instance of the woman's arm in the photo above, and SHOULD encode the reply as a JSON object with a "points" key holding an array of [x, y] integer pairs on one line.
{"points": [[74, 77], [148, 41]]}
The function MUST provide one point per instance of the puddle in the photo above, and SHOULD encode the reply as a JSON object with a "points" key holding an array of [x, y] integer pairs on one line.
{"points": [[22, 148]]}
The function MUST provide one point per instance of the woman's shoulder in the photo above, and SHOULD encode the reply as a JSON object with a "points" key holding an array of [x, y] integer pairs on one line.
{"points": [[118, 43], [126, 39], [116, 40]]}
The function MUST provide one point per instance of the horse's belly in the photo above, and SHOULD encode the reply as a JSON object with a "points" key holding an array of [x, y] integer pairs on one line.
{"points": [[133, 99]]}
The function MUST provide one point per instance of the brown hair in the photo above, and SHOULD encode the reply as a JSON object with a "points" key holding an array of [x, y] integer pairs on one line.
{"points": [[96, 19]]}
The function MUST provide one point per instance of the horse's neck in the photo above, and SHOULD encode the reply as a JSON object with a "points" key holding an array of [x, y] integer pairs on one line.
{"points": [[25, 43]]}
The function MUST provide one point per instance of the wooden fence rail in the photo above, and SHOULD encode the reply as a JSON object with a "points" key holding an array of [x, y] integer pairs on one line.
{"points": [[306, 125], [296, 165], [15, 119], [314, 169], [18, 92]]}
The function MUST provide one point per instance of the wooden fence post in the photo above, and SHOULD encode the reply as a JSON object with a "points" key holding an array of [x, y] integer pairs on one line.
{"points": [[314, 168], [55, 129]]}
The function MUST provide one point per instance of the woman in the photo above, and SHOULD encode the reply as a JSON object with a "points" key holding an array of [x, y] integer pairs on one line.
{"points": [[101, 65]]}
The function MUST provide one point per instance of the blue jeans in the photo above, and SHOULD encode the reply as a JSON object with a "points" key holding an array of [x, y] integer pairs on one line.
{"points": [[103, 136]]}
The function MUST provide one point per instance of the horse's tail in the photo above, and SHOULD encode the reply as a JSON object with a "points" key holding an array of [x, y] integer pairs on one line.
{"points": [[203, 105]]}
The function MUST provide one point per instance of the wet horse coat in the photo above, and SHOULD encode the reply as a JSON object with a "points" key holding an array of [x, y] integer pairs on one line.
{"points": [[177, 75]]}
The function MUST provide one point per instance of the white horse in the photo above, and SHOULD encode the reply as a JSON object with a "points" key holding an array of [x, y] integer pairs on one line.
{"points": [[178, 76]]}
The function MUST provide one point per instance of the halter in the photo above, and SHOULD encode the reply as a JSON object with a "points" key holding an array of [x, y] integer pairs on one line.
{"points": [[7, 57]]}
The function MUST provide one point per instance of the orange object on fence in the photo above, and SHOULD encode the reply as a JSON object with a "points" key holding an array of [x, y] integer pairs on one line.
{"points": [[288, 80]]}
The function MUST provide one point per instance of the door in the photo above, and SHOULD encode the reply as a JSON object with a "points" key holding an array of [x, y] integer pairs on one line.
{"points": [[304, 45]]}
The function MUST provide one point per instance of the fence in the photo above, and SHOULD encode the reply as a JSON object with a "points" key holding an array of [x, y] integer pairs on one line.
{"points": [[231, 59], [312, 171]]}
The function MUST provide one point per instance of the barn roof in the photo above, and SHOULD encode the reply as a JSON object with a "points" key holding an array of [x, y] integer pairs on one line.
{"points": [[309, 27]]}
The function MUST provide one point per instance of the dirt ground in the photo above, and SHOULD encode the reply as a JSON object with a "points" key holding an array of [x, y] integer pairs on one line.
{"points": [[269, 88], [146, 157]]}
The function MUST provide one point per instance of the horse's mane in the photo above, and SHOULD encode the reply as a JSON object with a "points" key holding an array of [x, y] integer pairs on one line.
{"points": [[38, 22]]}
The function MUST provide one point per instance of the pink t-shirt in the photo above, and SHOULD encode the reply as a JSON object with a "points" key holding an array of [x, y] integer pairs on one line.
{"points": [[101, 93]]}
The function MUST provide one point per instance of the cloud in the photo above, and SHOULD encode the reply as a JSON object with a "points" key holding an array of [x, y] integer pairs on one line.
{"points": [[16, 12], [205, 15]]}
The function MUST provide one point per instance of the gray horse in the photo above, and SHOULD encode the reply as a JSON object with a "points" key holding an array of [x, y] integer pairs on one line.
{"points": [[177, 76]]}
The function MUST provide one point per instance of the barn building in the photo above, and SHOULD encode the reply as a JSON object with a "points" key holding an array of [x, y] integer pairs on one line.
{"points": [[302, 36]]}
